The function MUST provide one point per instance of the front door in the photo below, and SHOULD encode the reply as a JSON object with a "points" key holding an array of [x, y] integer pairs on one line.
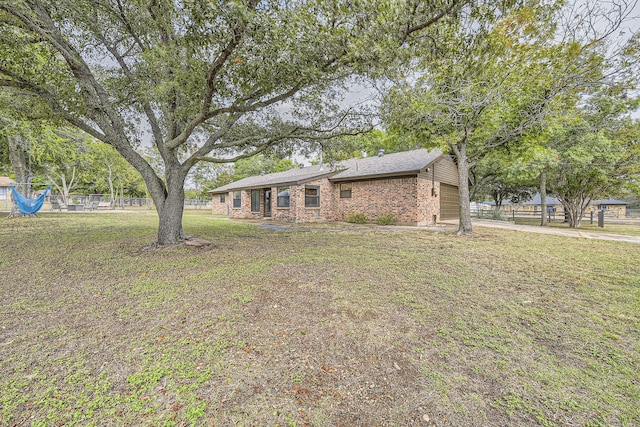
{"points": [[267, 202]]}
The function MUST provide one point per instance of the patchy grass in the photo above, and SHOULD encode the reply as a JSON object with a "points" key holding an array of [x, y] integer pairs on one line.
{"points": [[321, 326]]}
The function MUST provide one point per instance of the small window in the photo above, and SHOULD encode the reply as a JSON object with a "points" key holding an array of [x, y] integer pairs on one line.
{"points": [[237, 199], [283, 197], [311, 196], [255, 200], [345, 191], [223, 198]]}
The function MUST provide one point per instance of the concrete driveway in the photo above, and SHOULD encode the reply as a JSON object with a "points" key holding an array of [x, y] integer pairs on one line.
{"points": [[555, 231]]}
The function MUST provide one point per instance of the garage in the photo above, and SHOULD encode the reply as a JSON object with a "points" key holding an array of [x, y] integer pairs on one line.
{"points": [[449, 202]]}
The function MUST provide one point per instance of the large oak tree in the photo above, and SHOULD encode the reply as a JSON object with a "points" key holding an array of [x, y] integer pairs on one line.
{"points": [[209, 81]]}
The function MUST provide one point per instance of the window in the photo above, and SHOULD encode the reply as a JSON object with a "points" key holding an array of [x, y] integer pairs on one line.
{"points": [[237, 200], [255, 200], [3, 193], [283, 197], [345, 191], [311, 196], [222, 198]]}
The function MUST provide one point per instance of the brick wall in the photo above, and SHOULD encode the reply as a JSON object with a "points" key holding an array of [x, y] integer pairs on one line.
{"points": [[284, 213], [409, 199], [428, 201], [244, 211], [304, 214], [220, 208]]}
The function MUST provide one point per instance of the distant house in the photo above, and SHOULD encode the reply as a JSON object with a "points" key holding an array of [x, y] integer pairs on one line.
{"points": [[418, 187], [611, 207], [533, 206], [4, 187]]}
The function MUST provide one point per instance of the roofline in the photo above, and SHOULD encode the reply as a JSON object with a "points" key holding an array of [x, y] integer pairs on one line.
{"points": [[380, 176], [394, 174], [276, 183], [329, 173]]}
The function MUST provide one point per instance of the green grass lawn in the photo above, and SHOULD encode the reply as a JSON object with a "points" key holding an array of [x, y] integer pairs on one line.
{"points": [[319, 327]]}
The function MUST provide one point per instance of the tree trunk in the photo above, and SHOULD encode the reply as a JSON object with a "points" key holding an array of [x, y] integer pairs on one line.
{"points": [[20, 170], [573, 212], [170, 209], [460, 150], [543, 197], [19, 163]]}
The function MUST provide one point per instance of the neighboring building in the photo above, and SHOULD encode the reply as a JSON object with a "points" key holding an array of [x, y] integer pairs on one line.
{"points": [[4, 187], [611, 207], [533, 206], [418, 187]]}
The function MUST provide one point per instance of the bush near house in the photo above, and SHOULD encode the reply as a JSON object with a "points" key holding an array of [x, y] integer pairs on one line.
{"points": [[355, 218], [386, 219]]}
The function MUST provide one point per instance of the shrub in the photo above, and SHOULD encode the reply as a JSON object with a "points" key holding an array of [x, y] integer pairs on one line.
{"points": [[498, 215], [386, 219], [355, 218]]}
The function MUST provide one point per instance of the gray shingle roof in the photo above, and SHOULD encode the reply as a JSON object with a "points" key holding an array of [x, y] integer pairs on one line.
{"points": [[536, 200], [389, 164], [291, 176], [366, 167], [609, 202]]}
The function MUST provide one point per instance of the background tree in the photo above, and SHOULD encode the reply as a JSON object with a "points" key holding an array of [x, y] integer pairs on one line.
{"points": [[597, 155], [210, 81], [366, 144], [499, 81], [62, 156], [261, 164], [109, 173]]}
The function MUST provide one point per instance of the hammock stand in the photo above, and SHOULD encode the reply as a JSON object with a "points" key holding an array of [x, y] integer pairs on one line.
{"points": [[28, 206]]}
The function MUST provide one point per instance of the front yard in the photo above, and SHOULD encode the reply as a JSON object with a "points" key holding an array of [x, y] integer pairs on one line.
{"points": [[317, 327]]}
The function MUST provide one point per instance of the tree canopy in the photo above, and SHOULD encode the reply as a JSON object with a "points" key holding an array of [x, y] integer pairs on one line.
{"points": [[208, 81]]}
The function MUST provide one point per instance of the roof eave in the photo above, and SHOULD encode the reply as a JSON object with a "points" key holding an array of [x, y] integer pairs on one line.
{"points": [[275, 183], [371, 176]]}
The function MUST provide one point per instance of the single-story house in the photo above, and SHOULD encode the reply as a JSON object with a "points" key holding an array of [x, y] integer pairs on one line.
{"points": [[611, 207], [418, 187], [532, 206]]}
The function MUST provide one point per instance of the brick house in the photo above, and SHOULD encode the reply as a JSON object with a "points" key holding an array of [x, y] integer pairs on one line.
{"points": [[418, 187]]}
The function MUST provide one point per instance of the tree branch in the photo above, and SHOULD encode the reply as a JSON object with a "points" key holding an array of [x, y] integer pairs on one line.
{"points": [[49, 99]]}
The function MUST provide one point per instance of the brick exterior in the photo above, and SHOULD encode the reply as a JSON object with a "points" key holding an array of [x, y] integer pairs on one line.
{"points": [[220, 208], [406, 198], [410, 199], [428, 199]]}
